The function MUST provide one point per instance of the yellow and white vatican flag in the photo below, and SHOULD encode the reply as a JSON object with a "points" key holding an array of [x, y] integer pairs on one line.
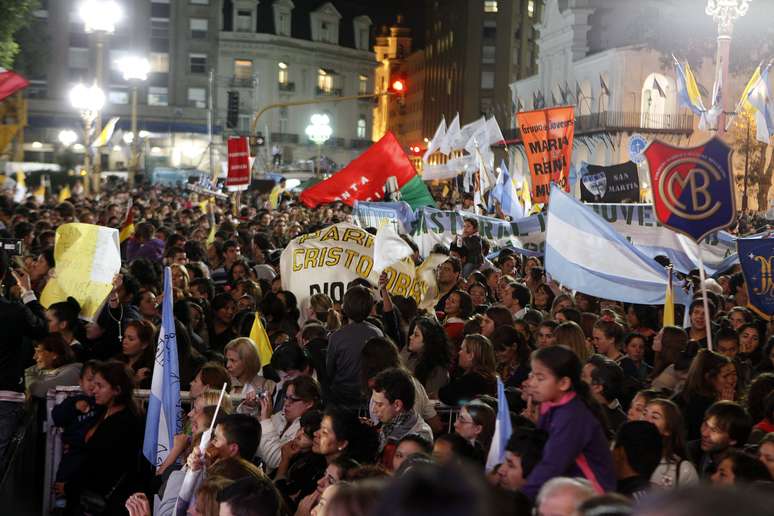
{"points": [[106, 134], [87, 258]]}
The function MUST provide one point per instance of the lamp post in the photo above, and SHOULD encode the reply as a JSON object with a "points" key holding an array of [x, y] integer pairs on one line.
{"points": [[725, 13], [319, 131], [88, 100], [99, 18], [67, 137], [135, 70]]}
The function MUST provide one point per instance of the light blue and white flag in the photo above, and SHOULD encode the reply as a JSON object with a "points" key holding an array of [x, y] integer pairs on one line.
{"points": [[373, 214], [584, 253], [504, 192], [165, 415], [502, 432], [764, 116]]}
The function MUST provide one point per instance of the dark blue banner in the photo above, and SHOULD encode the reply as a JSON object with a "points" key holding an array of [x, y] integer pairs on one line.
{"points": [[755, 256]]}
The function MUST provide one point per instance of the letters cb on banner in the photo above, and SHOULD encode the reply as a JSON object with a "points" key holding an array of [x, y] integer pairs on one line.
{"points": [[325, 261], [755, 257], [547, 135], [693, 191], [238, 163]]}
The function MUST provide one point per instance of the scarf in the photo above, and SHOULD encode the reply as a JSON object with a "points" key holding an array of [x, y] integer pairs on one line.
{"points": [[397, 428]]}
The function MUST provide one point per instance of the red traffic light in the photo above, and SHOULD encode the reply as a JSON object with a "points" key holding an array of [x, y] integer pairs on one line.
{"points": [[398, 86]]}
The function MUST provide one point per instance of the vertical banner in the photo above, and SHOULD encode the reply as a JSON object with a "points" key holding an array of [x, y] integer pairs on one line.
{"points": [[755, 257], [547, 135], [238, 163]]}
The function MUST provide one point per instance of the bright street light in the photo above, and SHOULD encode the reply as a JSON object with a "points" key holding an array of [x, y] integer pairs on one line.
{"points": [[67, 137], [319, 131], [87, 99], [134, 68], [99, 15]]}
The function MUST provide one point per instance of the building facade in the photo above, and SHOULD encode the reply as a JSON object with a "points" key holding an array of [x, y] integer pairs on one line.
{"points": [[473, 50], [267, 52], [618, 86], [401, 115]]}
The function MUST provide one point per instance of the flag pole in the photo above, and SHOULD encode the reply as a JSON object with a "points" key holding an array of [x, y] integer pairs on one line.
{"points": [[707, 322]]}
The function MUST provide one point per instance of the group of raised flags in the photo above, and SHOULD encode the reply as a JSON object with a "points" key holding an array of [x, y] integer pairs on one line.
{"points": [[755, 99]]}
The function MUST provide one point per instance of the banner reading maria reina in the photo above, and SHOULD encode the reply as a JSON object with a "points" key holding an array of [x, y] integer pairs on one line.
{"points": [[547, 135], [326, 260]]}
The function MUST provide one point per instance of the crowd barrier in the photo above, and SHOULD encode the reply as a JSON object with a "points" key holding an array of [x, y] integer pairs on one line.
{"points": [[53, 449]]}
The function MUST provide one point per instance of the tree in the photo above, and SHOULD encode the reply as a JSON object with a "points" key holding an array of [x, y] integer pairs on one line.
{"points": [[16, 14]]}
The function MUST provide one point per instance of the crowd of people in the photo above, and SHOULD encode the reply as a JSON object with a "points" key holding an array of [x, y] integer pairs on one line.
{"points": [[611, 412]]}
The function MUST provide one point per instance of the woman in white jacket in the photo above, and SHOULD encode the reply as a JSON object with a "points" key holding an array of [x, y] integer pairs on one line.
{"points": [[301, 395], [674, 469]]}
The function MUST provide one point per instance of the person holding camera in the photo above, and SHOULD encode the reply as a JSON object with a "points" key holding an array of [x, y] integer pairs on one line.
{"points": [[19, 321]]}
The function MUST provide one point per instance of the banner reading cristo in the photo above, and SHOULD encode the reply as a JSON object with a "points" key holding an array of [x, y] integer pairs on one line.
{"points": [[547, 135], [327, 260]]}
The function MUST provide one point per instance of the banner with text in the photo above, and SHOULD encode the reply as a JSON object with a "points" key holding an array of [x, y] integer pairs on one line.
{"points": [[326, 260], [636, 222], [547, 135], [238, 164], [610, 184]]}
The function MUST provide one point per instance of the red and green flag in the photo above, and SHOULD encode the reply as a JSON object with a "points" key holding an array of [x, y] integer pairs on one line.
{"points": [[364, 178]]}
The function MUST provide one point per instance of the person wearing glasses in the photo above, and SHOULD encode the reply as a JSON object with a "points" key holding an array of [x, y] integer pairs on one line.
{"points": [[302, 394]]}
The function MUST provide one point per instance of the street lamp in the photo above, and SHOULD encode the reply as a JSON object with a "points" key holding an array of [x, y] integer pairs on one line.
{"points": [[319, 131], [99, 18], [135, 70], [67, 137], [88, 100], [725, 13]]}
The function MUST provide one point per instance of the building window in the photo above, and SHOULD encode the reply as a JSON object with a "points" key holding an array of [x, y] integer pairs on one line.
{"points": [[118, 97], [362, 85], [283, 120], [159, 34], [78, 58], [200, 2], [197, 97], [159, 62], [243, 69], [488, 54], [158, 96], [197, 63], [244, 21], [282, 73], [531, 8], [487, 80], [283, 24], [361, 127], [324, 81], [489, 31], [198, 28], [490, 6]]}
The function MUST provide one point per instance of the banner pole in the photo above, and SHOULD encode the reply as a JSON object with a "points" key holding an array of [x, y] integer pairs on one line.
{"points": [[707, 322]]}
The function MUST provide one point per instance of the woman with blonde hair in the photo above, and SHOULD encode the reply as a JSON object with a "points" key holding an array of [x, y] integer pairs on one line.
{"points": [[244, 366], [478, 363], [570, 335], [180, 277]]}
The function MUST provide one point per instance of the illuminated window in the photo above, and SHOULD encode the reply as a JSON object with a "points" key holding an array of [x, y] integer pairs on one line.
{"points": [[490, 6], [324, 80], [282, 73], [362, 85], [531, 8], [243, 69], [361, 127]]}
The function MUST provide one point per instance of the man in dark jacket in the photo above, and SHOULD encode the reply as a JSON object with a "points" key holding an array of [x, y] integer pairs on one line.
{"points": [[19, 321], [726, 425], [343, 361]]}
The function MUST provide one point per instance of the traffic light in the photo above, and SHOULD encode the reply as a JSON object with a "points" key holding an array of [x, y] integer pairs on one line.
{"points": [[232, 115], [398, 88]]}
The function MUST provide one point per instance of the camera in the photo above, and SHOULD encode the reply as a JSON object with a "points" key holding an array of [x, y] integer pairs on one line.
{"points": [[11, 246]]}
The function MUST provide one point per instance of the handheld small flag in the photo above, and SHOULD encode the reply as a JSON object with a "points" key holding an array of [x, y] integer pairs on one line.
{"points": [[669, 304], [165, 415], [503, 430], [261, 340], [687, 90], [127, 228], [64, 193]]}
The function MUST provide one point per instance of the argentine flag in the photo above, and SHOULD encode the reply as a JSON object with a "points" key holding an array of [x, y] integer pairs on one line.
{"points": [[503, 430], [165, 415]]}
